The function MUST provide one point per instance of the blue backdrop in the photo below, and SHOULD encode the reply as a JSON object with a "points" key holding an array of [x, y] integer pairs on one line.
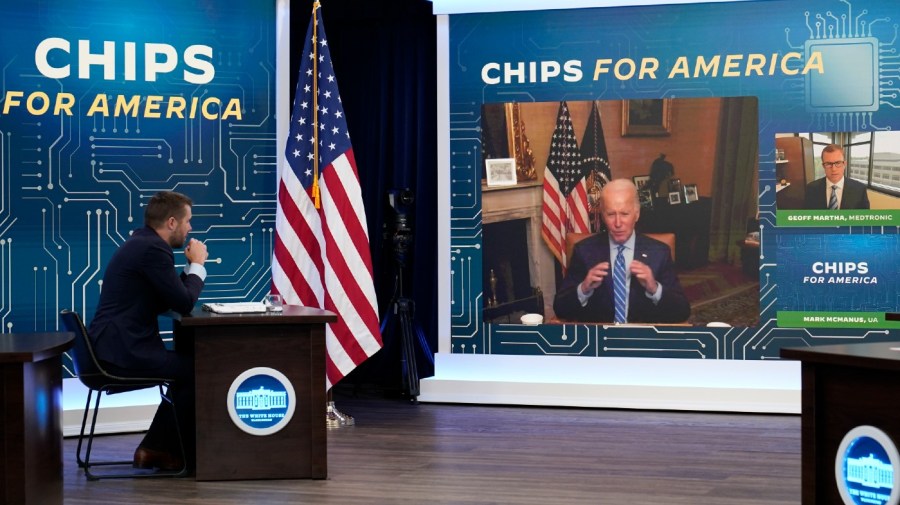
{"points": [[74, 184]]}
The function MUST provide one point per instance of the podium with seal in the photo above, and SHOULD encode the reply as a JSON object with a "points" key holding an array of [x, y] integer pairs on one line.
{"points": [[260, 392], [849, 423]]}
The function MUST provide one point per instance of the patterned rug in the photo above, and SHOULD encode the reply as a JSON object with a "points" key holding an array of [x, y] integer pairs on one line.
{"points": [[721, 293]]}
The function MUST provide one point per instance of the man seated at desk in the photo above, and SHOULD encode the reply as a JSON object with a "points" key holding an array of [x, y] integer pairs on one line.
{"points": [[139, 284], [621, 276], [835, 191]]}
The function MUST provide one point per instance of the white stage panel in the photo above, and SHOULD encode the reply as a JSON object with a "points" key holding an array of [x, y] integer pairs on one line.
{"points": [[627, 383]]}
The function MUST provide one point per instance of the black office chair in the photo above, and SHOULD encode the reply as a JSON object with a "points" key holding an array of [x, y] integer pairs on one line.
{"points": [[96, 379]]}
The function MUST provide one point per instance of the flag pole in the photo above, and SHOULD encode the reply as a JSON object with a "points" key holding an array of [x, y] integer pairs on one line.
{"points": [[317, 199], [312, 237], [334, 418]]}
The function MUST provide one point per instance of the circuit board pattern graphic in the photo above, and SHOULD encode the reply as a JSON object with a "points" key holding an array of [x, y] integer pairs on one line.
{"points": [[74, 186], [856, 39]]}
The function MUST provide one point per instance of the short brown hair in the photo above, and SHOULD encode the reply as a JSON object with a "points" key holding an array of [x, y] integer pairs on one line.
{"points": [[830, 148], [164, 205]]}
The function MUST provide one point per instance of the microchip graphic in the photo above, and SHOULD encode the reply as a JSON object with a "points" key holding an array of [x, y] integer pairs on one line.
{"points": [[849, 82]]}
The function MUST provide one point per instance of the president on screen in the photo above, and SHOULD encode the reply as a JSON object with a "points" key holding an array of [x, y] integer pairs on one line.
{"points": [[621, 276]]}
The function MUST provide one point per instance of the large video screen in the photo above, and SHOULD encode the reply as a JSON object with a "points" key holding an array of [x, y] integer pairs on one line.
{"points": [[721, 116]]}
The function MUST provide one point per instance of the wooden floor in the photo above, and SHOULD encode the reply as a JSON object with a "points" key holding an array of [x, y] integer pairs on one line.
{"points": [[400, 453]]}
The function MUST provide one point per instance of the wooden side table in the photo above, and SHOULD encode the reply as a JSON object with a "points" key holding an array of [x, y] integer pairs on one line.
{"points": [[31, 467]]}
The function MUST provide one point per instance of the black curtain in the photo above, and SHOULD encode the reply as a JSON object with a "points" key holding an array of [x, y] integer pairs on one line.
{"points": [[384, 57]]}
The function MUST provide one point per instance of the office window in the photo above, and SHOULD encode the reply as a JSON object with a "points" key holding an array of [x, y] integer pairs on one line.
{"points": [[822, 138], [857, 151], [858, 156], [886, 162]]}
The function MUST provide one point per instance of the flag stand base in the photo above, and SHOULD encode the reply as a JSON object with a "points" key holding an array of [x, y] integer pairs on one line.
{"points": [[334, 418]]}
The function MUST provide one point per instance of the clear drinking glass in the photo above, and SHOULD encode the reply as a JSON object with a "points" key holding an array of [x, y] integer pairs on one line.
{"points": [[273, 302]]}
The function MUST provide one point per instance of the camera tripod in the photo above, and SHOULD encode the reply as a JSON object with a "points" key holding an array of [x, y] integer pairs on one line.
{"points": [[403, 309]]}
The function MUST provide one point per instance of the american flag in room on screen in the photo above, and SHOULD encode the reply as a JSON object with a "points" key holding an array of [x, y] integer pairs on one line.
{"points": [[321, 256], [565, 206]]}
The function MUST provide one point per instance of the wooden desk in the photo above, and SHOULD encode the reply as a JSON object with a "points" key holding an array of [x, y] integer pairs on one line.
{"points": [[690, 224], [844, 386], [224, 347], [30, 417]]}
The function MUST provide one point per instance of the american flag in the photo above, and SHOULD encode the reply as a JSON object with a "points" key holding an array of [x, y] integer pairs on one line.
{"points": [[565, 207], [321, 255]]}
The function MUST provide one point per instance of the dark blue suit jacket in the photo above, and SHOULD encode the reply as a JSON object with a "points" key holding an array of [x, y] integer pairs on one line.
{"points": [[854, 195], [673, 307], [140, 283]]}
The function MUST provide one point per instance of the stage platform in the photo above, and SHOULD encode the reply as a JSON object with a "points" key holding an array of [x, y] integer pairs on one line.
{"points": [[622, 383]]}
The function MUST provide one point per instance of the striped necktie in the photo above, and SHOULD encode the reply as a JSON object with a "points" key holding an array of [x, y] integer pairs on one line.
{"points": [[832, 202], [619, 286]]}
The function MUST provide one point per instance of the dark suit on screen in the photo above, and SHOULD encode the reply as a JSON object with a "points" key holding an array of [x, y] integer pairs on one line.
{"points": [[673, 307], [854, 194], [139, 284]]}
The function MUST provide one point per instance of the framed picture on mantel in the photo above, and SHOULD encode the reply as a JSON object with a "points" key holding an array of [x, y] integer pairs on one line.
{"points": [[501, 172]]}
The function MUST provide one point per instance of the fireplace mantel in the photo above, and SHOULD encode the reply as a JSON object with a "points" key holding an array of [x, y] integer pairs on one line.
{"points": [[523, 201]]}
